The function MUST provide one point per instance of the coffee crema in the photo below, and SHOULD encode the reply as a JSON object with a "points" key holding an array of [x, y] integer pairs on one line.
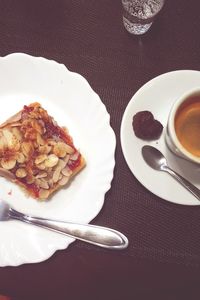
{"points": [[187, 125]]}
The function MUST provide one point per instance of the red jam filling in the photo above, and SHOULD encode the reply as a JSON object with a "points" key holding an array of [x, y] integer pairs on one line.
{"points": [[34, 188], [56, 131], [28, 109], [73, 164]]}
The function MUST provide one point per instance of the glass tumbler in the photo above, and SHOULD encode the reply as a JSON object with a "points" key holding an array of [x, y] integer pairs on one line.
{"points": [[138, 15]]}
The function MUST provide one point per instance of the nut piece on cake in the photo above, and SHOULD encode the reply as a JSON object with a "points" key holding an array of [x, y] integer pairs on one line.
{"points": [[36, 153]]}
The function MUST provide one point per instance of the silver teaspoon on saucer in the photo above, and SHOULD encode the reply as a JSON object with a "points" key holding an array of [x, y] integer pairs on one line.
{"points": [[156, 160], [96, 235]]}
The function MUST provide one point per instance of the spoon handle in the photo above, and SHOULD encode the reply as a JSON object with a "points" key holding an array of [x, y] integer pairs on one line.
{"points": [[96, 235], [188, 185]]}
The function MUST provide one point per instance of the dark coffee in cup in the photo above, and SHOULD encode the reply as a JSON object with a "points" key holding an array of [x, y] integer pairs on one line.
{"points": [[187, 124], [182, 134]]}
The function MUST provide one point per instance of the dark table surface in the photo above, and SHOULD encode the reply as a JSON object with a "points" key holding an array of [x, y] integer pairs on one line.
{"points": [[163, 258]]}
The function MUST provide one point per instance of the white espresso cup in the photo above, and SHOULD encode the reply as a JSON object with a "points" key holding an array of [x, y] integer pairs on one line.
{"points": [[183, 128]]}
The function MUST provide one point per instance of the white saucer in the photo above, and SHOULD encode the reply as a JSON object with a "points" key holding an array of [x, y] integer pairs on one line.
{"points": [[158, 96]]}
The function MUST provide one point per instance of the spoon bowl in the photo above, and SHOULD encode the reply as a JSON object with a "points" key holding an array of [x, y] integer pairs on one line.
{"points": [[154, 158]]}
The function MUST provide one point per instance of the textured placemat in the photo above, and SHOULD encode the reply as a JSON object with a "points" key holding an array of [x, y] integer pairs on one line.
{"points": [[89, 38]]}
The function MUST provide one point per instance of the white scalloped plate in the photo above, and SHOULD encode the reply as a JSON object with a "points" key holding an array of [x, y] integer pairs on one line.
{"points": [[69, 98]]}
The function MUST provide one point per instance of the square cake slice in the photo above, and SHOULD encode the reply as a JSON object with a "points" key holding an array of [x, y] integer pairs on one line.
{"points": [[36, 153]]}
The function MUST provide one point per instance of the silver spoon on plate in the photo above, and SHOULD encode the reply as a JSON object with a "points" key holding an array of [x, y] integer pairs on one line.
{"points": [[156, 160]]}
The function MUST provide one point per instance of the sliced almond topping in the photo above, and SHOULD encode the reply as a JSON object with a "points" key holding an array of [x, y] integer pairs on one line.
{"points": [[66, 158], [51, 183], [50, 172], [12, 141], [51, 161], [3, 142], [40, 158], [56, 174], [41, 166], [8, 134], [40, 140], [43, 194], [42, 184], [21, 173], [20, 158], [61, 163], [7, 174], [41, 122], [41, 175], [17, 133], [63, 180], [60, 149], [66, 171], [74, 156], [16, 145], [70, 149], [15, 118], [17, 124], [8, 164], [37, 126], [45, 149], [27, 148]]}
